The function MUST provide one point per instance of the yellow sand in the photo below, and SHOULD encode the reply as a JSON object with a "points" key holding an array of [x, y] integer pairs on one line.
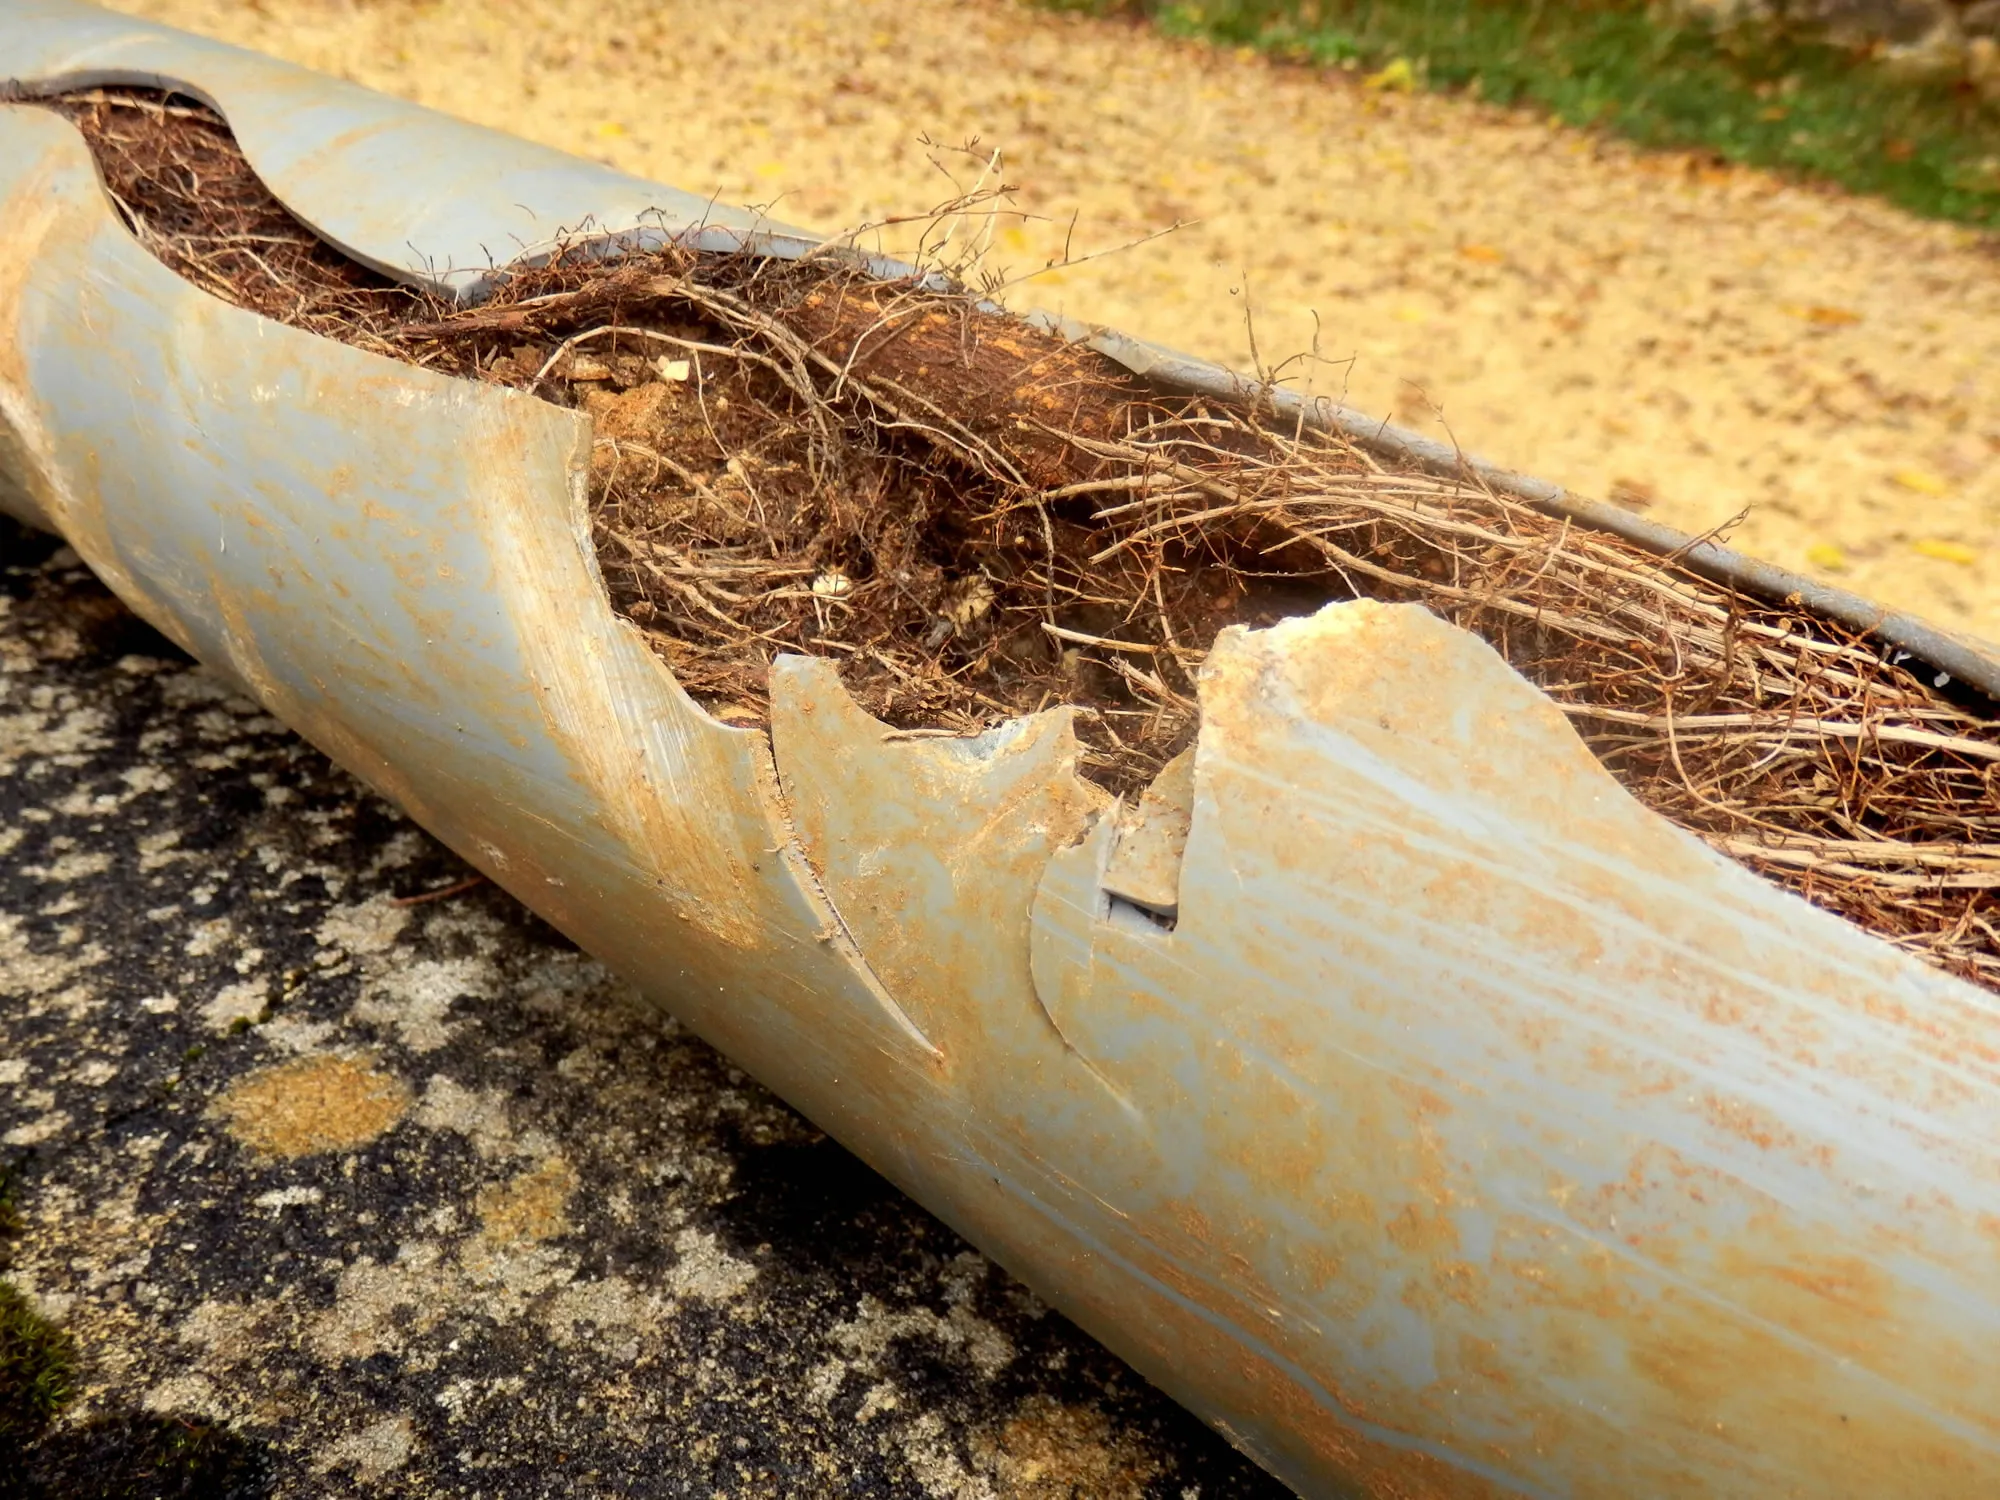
{"points": [[1631, 325]]}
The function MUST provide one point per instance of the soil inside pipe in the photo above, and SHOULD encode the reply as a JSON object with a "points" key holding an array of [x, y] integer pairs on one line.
{"points": [[979, 520]]}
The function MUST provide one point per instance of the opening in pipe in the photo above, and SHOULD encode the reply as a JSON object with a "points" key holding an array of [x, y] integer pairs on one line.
{"points": [[978, 518]]}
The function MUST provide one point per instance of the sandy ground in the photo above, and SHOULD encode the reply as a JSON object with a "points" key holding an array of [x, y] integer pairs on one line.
{"points": [[1694, 340]]}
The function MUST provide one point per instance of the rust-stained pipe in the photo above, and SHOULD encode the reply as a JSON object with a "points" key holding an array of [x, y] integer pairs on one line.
{"points": [[1470, 1131]]}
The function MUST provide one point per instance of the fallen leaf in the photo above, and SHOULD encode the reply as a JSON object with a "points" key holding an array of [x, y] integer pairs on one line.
{"points": [[1826, 556], [1951, 552], [1829, 317], [1486, 255], [1399, 76], [609, 130], [1633, 494], [1922, 481]]}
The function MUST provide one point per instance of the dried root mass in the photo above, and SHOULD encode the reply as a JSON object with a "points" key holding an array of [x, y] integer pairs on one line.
{"points": [[980, 520]]}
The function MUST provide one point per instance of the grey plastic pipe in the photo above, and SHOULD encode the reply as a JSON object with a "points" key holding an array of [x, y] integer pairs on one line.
{"points": [[1469, 1132]]}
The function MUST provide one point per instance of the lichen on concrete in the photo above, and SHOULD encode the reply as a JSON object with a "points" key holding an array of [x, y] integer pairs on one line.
{"points": [[343, 1193]]}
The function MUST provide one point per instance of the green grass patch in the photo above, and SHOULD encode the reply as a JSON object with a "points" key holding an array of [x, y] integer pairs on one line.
{"points": [[37, 1370], [1806, 108], [37, 1359]]}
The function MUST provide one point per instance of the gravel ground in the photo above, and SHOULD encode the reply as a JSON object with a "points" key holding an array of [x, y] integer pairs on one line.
{"points": [[413, 1199], [1637, 326]]}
